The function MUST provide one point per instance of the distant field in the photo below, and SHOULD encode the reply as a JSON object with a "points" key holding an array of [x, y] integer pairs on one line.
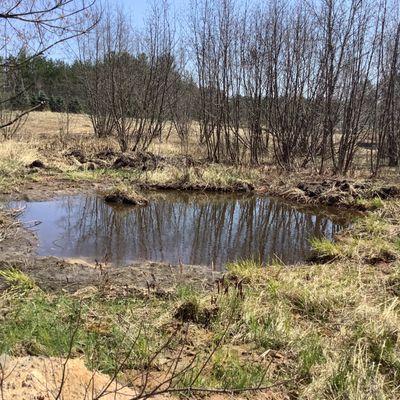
{"points": [[78, 127]]}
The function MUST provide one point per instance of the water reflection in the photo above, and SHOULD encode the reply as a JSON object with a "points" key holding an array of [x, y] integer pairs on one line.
{"points": [[192, 229]]}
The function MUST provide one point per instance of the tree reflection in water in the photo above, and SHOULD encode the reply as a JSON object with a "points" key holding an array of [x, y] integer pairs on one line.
{"points": [[187, 228]]}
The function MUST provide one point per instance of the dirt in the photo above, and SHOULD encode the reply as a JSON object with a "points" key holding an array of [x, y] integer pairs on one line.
{"points": [[190, 311], [140, 160], [53, 274], [40, 378], [16, 242], [47, 187], [37, 164]]}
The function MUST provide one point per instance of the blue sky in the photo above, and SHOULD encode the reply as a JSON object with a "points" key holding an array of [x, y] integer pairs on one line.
{"points": [[139, 8], [136, 9]]}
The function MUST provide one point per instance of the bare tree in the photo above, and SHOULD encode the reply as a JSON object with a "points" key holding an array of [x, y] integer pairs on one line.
{"points": [[386, 124], [129, 77], [36, 26]]}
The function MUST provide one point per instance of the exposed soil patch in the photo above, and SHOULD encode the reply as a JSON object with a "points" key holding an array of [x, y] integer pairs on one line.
{"points": [[192, 312], [37, 164], [40, 378], [144, 161], [383, 257], [16, 242], [139, 280], [50, 186]]}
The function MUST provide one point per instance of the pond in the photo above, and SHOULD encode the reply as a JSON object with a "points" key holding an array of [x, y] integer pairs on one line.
{"points": [[188, 228]]}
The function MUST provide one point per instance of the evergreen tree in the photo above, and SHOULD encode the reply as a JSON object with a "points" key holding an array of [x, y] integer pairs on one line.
{"points": [[74, 106], [40, 99], [56, 104]]}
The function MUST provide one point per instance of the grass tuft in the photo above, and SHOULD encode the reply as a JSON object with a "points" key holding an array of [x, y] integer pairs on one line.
{"points": [[17, 280]]}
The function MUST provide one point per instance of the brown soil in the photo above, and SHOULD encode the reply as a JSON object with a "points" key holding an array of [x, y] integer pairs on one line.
{"points": [[49, 186], [125, 197]]}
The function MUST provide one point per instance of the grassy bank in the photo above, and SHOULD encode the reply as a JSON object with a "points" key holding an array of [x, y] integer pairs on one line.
{"points": [[329, 330]]}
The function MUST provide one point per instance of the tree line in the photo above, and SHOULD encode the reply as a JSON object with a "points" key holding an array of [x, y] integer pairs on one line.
{"points": [[305, 84]]}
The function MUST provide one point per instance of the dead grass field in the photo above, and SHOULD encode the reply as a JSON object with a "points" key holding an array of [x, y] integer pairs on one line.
{"points": [[77, 129]]}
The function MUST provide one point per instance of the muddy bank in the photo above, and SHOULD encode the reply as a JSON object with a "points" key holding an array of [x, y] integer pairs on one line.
{"points": [[17, 250], [16, 242], [136, 280], [191, 187], [50, 186], [344, 193]]}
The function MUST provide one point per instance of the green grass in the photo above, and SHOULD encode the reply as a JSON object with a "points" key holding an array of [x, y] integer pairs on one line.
{"points": [[370, 204], [106, 331], [325, 247], [17, 280]]}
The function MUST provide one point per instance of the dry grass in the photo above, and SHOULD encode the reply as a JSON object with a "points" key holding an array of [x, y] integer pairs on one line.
{"points": [[47, 136], [14, 156], [47, 123], [50, 136], [75, 130]]}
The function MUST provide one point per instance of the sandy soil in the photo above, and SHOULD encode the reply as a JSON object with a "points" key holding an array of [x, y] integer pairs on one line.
{"points": [[40, 378]]}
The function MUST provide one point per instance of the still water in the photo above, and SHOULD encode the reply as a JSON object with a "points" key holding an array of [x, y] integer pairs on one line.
{"points": [[178, 227]]}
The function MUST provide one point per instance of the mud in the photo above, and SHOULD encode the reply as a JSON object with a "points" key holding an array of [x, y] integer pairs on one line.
{"points": [[52, 274], [48, 187], [16, 242]]}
